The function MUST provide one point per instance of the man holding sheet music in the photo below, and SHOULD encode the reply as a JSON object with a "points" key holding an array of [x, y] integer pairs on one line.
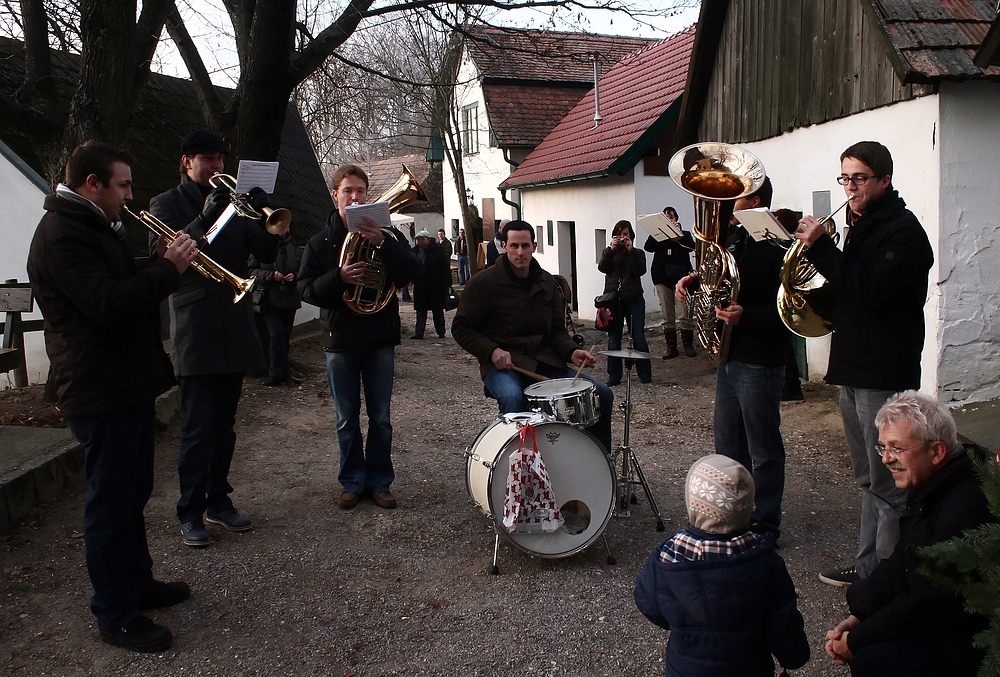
{"points": [[360, 348], [671, 262], [214, 340], [749, 382]]}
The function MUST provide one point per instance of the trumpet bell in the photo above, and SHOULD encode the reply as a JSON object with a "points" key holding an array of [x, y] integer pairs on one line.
{"points": [[277, 221]]}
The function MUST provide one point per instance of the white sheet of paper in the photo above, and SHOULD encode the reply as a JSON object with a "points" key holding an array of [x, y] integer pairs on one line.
{"points": [[762, 224], [228, 213], [376, 211], [253, 174], [659, 226]]}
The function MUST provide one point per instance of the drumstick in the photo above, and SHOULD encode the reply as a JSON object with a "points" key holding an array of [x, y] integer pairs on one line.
{"points": [[529, 374], [582, 364]]}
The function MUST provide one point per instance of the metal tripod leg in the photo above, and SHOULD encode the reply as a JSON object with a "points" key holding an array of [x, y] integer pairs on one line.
{"points": [[649, 494], [630, 462], [494, 570]]}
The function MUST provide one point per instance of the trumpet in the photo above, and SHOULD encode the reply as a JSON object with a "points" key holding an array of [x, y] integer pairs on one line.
{"points": [[202, 263], [802, 300], [276, 221]]}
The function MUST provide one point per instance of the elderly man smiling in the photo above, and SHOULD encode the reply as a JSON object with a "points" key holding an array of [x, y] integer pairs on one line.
{"points": [[900, 624]]}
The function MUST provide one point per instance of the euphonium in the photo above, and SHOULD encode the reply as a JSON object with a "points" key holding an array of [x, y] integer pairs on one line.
{"points": [[716, 174], [202, 263], [376, 289], [276, 221], [803, 301]]}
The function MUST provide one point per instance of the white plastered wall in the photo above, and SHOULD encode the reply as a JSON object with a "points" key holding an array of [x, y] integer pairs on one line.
{"points": [[968, 335], [22, 199], [808, 160]]}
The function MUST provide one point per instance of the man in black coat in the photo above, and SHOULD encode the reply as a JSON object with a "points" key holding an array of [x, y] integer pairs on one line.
{"points": [[900, 622], [879, 285], [430, 286], [360, 347], [214, 340], [102, 336]]}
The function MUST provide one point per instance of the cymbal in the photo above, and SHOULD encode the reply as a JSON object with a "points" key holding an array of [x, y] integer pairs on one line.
{"points": [[629, 354]]}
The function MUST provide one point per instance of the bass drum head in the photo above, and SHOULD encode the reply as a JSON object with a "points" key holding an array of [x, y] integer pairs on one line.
{"points": [[581, 474]]}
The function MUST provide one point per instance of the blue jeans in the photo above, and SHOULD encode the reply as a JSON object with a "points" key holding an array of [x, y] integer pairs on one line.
{"points": [[881, 501], [635, 314], [748, 430], [119, 467], [507, 386], [208, 414], [363, 468], [463, 269]]}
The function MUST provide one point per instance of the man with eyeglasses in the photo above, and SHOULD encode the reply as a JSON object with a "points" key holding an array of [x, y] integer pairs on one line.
{"points": [[879, 285], [900, 622]]}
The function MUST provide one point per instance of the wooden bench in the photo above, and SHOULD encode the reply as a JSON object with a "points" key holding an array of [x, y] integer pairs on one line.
{"points": [[16, 298]]}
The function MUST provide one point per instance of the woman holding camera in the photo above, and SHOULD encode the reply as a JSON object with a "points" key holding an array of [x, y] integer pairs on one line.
{"points": [[623, 266]]}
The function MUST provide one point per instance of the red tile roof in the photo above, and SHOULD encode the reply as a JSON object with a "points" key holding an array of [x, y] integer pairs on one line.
{"points": [[636, 98], [521, 115], [937, 39], [550, 56]]}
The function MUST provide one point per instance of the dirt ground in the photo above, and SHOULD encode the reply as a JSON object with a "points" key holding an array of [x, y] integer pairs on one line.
{"points": [[314, 590]]}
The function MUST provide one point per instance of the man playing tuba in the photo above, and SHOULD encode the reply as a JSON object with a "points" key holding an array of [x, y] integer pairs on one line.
{"points": [[359, 343]]}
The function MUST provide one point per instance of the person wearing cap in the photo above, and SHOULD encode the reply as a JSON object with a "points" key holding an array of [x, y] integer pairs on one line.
{"points": [[720, 589], [214, 341], [359, 347], [430, 286]]}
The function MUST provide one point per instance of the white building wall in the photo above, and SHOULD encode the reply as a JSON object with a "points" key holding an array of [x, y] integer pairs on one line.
{"points": [[808, 160], [968, 258], [22, 199], [591, 205]]}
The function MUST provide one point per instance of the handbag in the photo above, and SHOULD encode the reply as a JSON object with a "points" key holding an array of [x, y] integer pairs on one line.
{"points": [[258, 297], [530, 505], [607, 299], [451, 301]]}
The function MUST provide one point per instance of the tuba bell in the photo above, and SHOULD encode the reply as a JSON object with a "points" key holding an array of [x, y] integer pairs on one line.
{"points": [[376, 289], [716, 174], [804, 300]]}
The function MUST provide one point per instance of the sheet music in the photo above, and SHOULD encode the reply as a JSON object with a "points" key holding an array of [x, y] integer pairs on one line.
{"points": [[376, 211], [228, 213], [253, 174], [762, 225], [659, 226]]}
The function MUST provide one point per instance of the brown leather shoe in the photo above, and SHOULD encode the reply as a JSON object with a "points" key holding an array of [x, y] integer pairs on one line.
{"points": [[384, 499], [348, 500]]}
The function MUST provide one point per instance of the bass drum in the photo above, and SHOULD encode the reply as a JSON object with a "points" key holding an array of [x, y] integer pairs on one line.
{"points": [[580, 471]]}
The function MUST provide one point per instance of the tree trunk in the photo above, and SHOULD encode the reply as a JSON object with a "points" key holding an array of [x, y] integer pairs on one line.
{"points": [[37, 60]]}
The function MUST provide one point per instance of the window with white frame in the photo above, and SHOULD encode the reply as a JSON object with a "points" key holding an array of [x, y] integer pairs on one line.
{"points": [[470, 129]]}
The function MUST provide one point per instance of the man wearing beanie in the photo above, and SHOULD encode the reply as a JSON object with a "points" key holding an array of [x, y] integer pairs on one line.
{"points": [[214, 340], [721, 589]]}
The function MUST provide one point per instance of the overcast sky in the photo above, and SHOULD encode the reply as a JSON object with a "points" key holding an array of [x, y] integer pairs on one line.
{"points": [[203, 17]]}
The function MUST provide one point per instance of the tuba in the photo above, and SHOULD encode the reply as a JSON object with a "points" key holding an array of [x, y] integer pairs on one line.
{"points": [[376, 289], [716, 174], [803, 298]]}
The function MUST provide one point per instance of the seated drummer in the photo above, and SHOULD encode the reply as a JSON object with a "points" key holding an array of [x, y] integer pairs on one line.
{"points": [[511, 315]]}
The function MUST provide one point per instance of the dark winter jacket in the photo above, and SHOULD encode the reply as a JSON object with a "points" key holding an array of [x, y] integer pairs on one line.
{"points": [[727, 615], [430, 286], [626, 268], [320, 284], [896, 601], [760, 337], [671, 258], [879, 285], [211, 334], [278, 295], [497, 311], [102, 317]]}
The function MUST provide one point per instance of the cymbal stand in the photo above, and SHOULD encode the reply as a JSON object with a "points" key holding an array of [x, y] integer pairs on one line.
{"points": [[630, 468]]}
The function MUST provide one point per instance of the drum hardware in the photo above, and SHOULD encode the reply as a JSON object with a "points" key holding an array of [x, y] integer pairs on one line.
{"points": [[630, 467], [579, 468]]}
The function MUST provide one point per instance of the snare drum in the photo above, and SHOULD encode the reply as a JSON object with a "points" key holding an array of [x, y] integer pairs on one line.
{"points": [[579, 469], [573, 403]]}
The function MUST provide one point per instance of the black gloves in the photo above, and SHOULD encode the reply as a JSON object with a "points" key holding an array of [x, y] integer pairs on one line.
{"points": [[215, 204], [258, 198]]}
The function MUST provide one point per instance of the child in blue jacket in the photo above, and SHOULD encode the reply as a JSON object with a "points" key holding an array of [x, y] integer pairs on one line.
{"points": [[721, 589]]}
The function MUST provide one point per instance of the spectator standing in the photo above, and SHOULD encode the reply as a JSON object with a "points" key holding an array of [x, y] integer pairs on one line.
{"points": [[462, 252], [430, 286], [279, 301], [671, 262], [623, 266]]}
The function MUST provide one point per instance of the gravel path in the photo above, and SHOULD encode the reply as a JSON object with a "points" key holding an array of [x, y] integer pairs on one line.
{"points": [[314, 590]]}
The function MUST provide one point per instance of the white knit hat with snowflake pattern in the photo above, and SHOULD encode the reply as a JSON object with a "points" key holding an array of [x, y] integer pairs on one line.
{"points": [[719, 494]]}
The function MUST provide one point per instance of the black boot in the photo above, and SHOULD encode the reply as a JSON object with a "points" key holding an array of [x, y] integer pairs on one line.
{"points": [[671, 336], [687, 338]]}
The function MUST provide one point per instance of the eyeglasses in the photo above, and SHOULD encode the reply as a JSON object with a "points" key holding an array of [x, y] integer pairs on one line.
{"points": [[857, 179], [893, 452]]}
